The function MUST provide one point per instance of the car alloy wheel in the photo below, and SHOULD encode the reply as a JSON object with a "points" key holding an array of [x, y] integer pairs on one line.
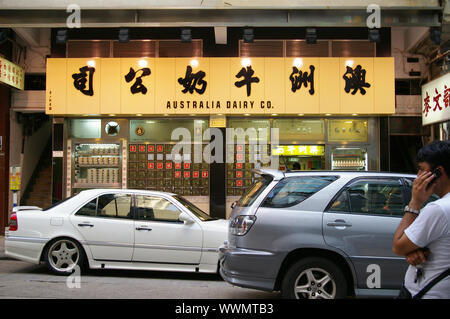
{"points": [[314, 278], [315, 283], [63, 255]]}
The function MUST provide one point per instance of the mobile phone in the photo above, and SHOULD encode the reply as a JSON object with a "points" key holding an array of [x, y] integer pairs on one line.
{"points": [[437, 173]]}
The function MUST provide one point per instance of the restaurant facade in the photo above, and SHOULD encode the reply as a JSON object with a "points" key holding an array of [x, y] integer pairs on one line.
{"points": [[179, 117]]}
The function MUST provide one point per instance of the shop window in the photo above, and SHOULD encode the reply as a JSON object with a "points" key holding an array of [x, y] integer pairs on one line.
{"points": [[159, 130], [347, 130], [85, 128], [242, 158], [152, 166], [299, 130]]}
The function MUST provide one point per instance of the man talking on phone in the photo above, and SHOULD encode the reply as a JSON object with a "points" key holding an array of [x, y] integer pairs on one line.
{"points": [[423, 235]]}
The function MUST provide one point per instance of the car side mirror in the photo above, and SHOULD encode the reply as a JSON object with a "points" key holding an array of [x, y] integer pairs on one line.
{"points": [[185, 218]]}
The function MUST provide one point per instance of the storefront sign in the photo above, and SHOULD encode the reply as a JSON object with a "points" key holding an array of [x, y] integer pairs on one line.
{"points": [[11, 74], [436, 100], [218, 121], [129, 86], [15, 178], [309, 150]]}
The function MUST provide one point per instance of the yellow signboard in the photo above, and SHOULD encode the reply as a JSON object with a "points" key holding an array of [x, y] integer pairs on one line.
{"points": [[11, 74], [15, 178], [211, 86], [306, 150]]}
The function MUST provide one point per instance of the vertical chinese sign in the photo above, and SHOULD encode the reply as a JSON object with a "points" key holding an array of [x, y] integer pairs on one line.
{"points": [[436, 100]]}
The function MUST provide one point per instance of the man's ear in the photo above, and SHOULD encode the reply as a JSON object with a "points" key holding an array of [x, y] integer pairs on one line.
{"points": [[444, 173]]}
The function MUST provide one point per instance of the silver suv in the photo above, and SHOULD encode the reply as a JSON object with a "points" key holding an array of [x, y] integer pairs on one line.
{"points": [[318, 234]]}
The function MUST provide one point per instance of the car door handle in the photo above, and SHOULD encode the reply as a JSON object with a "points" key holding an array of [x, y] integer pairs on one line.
{"points": [[143, 228], [85, 225], [339, 223]]}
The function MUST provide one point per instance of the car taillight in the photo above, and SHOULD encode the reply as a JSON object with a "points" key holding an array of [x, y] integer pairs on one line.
{"points": [[240, 225], [13, 225]]}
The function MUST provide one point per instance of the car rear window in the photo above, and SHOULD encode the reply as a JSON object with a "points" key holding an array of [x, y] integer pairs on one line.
{"points": [[293, 190], [253, 192]]}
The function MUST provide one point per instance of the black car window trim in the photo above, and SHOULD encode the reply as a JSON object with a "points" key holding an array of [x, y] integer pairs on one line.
{"points": [[357, 179], [262, 205]]}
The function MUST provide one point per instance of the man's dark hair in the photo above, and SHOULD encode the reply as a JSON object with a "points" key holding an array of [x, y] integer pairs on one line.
{"points": [[436, 153]]}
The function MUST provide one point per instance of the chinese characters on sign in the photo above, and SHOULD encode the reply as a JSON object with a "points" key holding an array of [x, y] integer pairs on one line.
{"points": [[79, 80], [11, 74], [355, 79], [192, 80], [436, 100], [247, 73], [137, 87], [299, 78], [218, 85], [289, 150]]}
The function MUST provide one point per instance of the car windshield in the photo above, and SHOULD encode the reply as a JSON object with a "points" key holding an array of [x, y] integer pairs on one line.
{"points": [[194, 209], [253, 192]]}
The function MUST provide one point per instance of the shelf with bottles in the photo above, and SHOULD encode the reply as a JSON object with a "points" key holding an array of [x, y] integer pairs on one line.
{"points": [[98, 150], [349, 164]]}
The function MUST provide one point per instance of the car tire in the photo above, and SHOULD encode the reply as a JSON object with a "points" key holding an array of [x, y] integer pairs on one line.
{"points": [[63, 255], [314, 278]]}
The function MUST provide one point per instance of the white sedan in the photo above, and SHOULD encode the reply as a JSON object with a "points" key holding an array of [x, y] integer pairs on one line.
{"points": [[117, 229]]}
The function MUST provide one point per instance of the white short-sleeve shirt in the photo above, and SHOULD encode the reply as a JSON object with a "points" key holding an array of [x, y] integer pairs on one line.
{"points": [[431, 229]]}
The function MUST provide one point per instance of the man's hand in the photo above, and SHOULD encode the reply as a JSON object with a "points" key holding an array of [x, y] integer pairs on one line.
{"points": [[420, 192], [418, 257]]}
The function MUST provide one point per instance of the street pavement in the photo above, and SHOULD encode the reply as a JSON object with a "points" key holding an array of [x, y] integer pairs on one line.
{"points": [[24, 280]]}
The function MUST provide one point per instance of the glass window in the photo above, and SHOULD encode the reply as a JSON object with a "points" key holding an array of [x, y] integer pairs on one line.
{"points": [[347, 130], [114, 205], [253, 192], [86, 128], [259, 126], [341, 204], [194, 209], [291, 130], [158, 130], [293, 190], [88, 209], [409, 184], [156, 209], [380, 197]]}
